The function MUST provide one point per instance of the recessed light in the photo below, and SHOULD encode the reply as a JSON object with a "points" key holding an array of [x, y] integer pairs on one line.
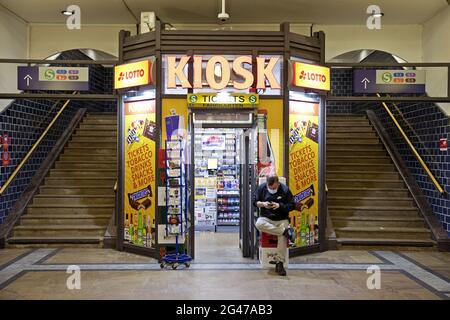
{"points": [[67, 13], [378, 15]]}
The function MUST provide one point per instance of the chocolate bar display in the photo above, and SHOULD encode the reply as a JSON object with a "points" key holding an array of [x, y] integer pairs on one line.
{"points": [[133, 198], [150, 130], [313, 132]]}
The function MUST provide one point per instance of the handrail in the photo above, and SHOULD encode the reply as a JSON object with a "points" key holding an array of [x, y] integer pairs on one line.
{"points": [[30, 152], [115, 186], [413, 149]]}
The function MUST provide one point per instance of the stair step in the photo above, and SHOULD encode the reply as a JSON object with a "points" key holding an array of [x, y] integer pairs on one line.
{"points": [[93, 143], [350, 135], [367, 192], [378, 167], [355, 129], [386, 242], [76, 191], [80, 181], [90, 139], [55, 240], [355, 140], [370, 201], [356, 153], [70, 210], [369, 175], [91, 151], [380, 233], [95, 133], [355, 147], [87, 158], [59, 231], [358, 160], [370, 211], [70, 173], [76, 165], [73, 200], [331, 123], [343, 116], [65, 219], [364, 183], [374, 221], [103, 121], [96, 127]]}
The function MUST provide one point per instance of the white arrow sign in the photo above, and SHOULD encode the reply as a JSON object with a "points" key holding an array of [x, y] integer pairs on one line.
{"points": [[28, 78], [365, 81]]}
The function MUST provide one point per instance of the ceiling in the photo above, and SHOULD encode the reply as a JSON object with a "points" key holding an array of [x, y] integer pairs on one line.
{"points": [[241, 11]]}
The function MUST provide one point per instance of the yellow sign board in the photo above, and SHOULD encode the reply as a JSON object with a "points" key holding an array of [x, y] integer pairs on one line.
{"points": [[222, 99], [310, 76], [133, 74]]}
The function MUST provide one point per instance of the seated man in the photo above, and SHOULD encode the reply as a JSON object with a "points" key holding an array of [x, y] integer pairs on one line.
{"points": [[275, 201]]}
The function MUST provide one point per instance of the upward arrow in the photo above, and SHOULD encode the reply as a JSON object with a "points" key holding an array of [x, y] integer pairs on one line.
{"points": [[365, 81], [28, 78]]}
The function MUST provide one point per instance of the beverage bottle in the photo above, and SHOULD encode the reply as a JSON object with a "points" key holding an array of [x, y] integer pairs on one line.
{"points": [[316, 230], [311, 229], [266, 157], [140, 226], [303, 232], [126, 228], [131, 229], [307, 229]]}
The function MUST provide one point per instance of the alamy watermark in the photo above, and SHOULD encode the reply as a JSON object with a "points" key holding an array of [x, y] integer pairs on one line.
{"points": [[73, 282], [374, 19], [74, 20], [374, 280]]}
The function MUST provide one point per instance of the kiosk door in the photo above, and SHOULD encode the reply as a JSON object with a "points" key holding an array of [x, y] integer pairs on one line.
{"points": [[248, 185]]}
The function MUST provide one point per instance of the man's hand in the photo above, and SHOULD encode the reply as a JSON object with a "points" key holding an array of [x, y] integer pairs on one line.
{"points": [[263, 204], [274, 205]]}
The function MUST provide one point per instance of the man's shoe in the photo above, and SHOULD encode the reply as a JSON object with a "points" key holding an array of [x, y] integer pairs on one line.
{"points": [[289, 234], [279, 268]]}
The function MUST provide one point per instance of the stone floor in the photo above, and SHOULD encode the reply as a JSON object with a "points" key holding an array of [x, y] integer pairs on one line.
{"points": [[219, 272]]}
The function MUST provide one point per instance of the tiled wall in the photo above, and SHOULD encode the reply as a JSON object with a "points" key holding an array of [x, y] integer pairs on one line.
{"points": [[341, 85], [428, 124], [25, 120]]}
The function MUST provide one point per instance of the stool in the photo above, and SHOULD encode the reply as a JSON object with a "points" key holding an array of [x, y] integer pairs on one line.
{"points": [[268, 250]]}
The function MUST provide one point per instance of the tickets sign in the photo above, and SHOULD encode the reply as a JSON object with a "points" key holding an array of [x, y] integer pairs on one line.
{"points": [[139, 138], [202, 99], [133, 74], [310, 76]]}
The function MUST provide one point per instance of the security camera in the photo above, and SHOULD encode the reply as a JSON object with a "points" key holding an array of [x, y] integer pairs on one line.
{"points": [[223, 16]]}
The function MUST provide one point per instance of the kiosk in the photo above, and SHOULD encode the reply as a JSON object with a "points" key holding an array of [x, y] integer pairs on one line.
{"points": [[246, 104]]}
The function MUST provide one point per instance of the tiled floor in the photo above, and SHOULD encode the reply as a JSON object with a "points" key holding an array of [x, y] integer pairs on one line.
{"points": [[220, 272]]}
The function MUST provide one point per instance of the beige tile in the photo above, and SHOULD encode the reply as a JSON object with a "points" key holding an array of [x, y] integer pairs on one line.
{"points": [[6, 255], [439, 262], [214, 284], [88, 255], [338, 256]]}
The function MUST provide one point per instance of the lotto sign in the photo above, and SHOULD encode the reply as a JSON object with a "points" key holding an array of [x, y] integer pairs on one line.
{"points": [[310, 76], [133, 74]]}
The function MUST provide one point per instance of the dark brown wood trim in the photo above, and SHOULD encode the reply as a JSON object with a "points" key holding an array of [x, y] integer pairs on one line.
{"points": [[27, 195], [438, 232]]}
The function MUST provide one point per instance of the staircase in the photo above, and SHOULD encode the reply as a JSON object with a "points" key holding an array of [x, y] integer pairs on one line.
{"points": [[77, 199], [368, 202]]}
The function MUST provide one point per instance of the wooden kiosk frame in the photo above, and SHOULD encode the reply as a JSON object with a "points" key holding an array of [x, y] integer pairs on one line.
{"points": [[283, 43]]}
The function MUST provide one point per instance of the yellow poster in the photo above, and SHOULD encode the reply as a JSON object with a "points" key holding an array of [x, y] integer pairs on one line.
{"points": [[139, 181], [303, 170]]}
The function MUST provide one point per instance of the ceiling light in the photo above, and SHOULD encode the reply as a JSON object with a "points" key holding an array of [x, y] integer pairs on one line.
{"points": [[378, 15], [67, 13]]}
